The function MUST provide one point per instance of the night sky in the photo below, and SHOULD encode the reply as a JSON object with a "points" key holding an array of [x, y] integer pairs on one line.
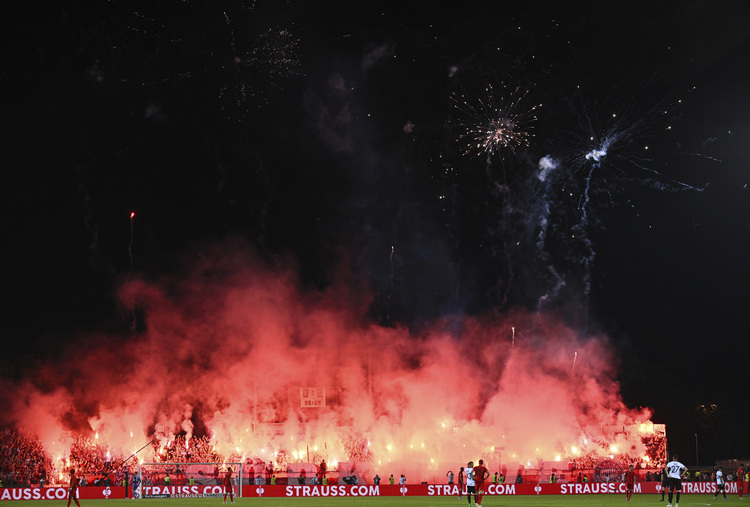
{"points": [[327, 135]]}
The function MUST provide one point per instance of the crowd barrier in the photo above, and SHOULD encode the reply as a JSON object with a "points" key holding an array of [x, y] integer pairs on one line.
{"points": [[340, 490]]}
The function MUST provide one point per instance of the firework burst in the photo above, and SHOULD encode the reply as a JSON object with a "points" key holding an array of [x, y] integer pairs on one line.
{"points": [[495, 123], [220, 51], [271, 58]]}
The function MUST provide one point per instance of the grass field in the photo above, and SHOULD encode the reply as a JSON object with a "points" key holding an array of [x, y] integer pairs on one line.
{"points": [[393, 501]]}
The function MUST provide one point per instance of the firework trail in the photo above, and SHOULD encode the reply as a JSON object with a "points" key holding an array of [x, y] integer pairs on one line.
{"points": [[134, 319], [130, 245], [547, 170]]}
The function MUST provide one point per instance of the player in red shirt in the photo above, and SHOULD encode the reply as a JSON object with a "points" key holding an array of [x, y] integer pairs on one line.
{"points": [[73, 489], [629, 482], [460, 482], [480, 474], [228, 486], [740, 480]]}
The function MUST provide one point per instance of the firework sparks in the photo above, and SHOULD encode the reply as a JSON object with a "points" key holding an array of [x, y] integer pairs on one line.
{"points": [[240, 64], [273, 54], [495, 123]]}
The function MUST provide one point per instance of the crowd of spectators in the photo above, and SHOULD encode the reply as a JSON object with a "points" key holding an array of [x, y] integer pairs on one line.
{"points": [[88, 457], [182, 450], [23, 460]]}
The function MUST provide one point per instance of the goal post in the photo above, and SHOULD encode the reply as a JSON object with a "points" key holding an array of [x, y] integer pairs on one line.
{"points": [[182, 480]]}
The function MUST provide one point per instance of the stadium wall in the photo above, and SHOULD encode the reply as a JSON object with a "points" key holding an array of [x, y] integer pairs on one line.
{"points": [[93, 492]]}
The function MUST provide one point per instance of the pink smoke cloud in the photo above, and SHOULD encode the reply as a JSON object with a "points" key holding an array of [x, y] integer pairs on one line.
{"points": [[230, 342]]}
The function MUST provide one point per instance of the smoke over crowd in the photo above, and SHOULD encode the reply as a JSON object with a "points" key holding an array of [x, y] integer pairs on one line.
{"points": [[237, 352]]}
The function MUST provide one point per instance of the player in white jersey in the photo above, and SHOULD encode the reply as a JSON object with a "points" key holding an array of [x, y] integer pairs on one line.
{"points": [[675, 472], [470, 484], [720, 485]]}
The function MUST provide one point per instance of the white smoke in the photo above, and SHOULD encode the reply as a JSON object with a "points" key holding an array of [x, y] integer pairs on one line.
{"points": [[546, 164]]}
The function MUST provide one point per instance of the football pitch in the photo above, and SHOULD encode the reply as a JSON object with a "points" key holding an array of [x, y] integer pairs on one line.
{"points": [[394, 501]]}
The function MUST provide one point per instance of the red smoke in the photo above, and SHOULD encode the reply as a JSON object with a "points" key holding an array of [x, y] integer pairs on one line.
{"points": [[228, 345]]}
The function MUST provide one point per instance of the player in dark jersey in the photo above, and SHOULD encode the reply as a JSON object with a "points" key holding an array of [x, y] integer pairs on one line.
{"points": [[228, 486], [664, 483], [73, 489], [479, 474], [136, 482]]}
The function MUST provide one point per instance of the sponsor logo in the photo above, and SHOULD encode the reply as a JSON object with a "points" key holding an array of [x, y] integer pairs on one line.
{"points": [[182, 491], [597, 487], [34, 493], [451, 490], [341, 490]]}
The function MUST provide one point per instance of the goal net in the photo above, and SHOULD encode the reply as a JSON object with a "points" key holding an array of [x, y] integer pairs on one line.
{"points": [[182, 480]]}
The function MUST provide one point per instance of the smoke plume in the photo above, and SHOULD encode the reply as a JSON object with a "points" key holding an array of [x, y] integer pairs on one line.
{"points": [[232, 349]]}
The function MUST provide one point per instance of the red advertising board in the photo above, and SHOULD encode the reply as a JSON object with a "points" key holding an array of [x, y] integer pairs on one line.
{"points": [[60, 493], [342, 490]]}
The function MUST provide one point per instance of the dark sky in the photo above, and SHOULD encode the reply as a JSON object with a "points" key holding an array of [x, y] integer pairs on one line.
{"points": [[325, 131]]}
